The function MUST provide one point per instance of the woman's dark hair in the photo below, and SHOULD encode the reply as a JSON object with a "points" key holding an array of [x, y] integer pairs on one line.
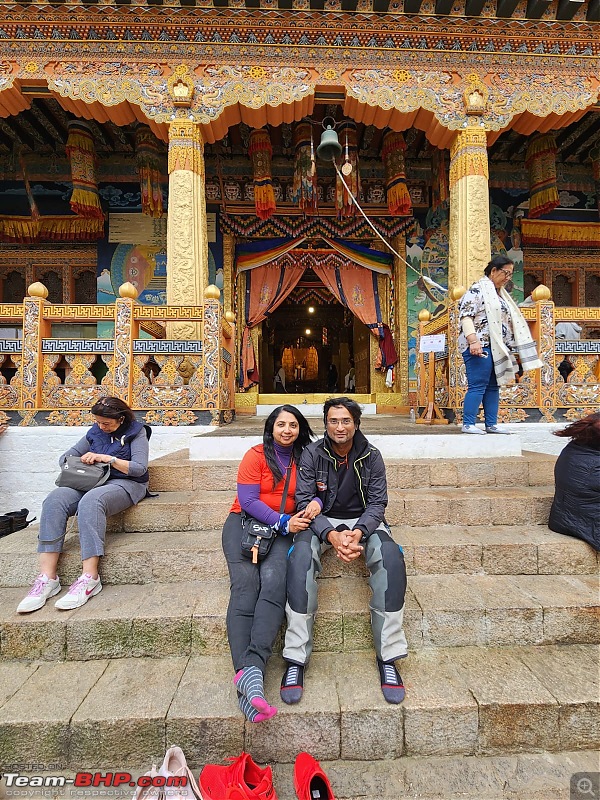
{"points": [[305, 434], [497, 262], [585, 431], [345, 402], [113, 408]]}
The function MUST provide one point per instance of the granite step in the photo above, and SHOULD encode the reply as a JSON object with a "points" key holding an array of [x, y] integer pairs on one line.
{"points": [[206, 510], [180, 619], [175, 472], [460, 701], [178, 556]]}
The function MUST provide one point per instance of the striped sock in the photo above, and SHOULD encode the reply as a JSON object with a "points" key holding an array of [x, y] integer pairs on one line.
{"points": [[249, 681], [251, 713]]}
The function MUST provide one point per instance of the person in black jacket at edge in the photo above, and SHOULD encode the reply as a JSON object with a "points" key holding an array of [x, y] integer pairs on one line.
{"points": [[576, 506], [342, 479]]}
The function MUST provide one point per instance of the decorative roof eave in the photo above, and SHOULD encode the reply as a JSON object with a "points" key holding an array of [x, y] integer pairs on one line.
{"points": [[432, 100]]}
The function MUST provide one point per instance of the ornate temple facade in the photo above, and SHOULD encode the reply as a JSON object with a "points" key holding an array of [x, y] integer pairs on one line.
{"points": [[163, 190]]}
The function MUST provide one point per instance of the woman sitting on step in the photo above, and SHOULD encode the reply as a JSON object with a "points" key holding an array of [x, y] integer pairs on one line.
{"points": [[266, 483], [576, 506], [116, 438]]}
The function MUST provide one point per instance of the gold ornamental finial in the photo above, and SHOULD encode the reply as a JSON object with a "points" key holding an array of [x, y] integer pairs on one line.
{"points": [[230, 316], [541, 292], [212, 291], [38, 289], [457, 292], [128, 290], [424, 315]]}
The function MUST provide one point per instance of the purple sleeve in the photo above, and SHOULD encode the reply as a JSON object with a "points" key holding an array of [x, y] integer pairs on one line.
{"points": [[248, 495]]}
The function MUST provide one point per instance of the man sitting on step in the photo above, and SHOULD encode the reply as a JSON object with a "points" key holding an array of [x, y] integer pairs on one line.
{"points": [[342, 476]]}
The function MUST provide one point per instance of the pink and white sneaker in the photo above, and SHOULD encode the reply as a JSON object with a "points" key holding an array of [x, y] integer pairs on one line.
{"points": [[79, 592], [43, 589]]}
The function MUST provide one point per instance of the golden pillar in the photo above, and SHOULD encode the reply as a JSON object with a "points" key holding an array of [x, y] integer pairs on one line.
{"points": [[469, 207], [187, 235]]}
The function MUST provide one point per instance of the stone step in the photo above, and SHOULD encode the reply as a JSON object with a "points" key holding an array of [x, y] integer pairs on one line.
{"points": [[176, 556], [175, 472], [460, 701], [164, 619], [206, 510], [511, 776]]}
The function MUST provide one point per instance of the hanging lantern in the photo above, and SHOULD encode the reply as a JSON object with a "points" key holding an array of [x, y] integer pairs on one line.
{"points": [[147, 154], [81, 152], [541, 163], [304, 191], [392, 154], [348, 138], [260, 152], [439, 173]]}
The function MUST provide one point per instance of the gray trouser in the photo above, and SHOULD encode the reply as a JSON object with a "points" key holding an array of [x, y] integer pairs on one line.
{"points": [[92, 509], [387, 579]]}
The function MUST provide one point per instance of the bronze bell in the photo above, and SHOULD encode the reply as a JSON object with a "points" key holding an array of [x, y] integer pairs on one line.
{"points": [[329, 147]]}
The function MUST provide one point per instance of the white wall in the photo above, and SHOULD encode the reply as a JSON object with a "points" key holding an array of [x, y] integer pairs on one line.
{"points": [[29, 459]]}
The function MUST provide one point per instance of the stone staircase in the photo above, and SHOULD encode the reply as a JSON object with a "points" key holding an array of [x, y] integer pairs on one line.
{"points": [[501, 616]]}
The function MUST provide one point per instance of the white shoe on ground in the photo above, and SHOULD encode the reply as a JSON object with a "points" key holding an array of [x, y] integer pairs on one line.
{"points": [[495, 429], [472, 429], [79, 592], [43, 589]]}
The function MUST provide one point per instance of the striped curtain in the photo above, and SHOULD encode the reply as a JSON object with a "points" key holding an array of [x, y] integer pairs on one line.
{"points": [[392, 154], [260, 151], [85, 200], [540, 160], [147, 155]]}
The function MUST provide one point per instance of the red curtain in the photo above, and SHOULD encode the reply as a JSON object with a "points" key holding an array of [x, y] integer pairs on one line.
{"points": [[266, 289], [356, 288]]}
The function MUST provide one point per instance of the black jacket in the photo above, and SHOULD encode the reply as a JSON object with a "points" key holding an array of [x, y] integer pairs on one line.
{"points": [[317, 477], [576, 507]]}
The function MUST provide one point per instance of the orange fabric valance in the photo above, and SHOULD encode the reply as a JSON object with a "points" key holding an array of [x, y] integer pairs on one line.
{"points": [[25, 230], [555, 233]]}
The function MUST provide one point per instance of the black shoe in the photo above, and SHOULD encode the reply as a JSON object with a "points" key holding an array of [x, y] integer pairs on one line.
{"points": [[292, 684], [391, 682]]}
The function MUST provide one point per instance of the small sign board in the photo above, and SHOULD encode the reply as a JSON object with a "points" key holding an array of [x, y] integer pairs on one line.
{"points": [[433, 344]]}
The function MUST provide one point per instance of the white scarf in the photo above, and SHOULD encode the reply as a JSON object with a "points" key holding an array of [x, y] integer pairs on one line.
{"points": [[505, 365]]}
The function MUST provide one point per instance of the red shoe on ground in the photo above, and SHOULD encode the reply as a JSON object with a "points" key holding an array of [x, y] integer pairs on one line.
{"points": [[241, 780], [310, 782]]}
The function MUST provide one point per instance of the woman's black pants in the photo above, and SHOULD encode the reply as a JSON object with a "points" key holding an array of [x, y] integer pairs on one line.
{"points": [[257, 601]]}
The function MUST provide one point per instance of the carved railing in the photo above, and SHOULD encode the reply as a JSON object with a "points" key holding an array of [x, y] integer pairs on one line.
{"points": [[540, 395], [166, 381]]}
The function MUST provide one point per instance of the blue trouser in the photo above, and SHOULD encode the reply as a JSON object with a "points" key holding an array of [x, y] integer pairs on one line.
{"points": [[257, 599], [483, 388], [92, 509], [387, 579]]}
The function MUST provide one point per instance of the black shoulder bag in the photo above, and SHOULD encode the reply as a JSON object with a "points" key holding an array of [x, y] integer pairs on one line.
{"points": [[257, 537]]}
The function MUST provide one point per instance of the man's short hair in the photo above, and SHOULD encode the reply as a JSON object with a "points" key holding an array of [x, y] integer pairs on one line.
{"points": [[344, 402]]}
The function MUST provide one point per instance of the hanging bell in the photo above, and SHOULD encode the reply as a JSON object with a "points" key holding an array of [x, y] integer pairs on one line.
{"points": [[329, 147]]}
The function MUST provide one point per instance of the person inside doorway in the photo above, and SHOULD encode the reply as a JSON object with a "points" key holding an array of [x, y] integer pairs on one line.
{"points": [[279, 379], [332, 378], [350, 377], [341, 479]]}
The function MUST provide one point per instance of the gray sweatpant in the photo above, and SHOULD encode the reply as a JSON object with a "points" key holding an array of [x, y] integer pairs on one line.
{"points": [[92, 510], [387, 579]]}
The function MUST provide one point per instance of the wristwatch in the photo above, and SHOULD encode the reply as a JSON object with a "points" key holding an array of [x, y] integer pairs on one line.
{"points": [[112, 461]]}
